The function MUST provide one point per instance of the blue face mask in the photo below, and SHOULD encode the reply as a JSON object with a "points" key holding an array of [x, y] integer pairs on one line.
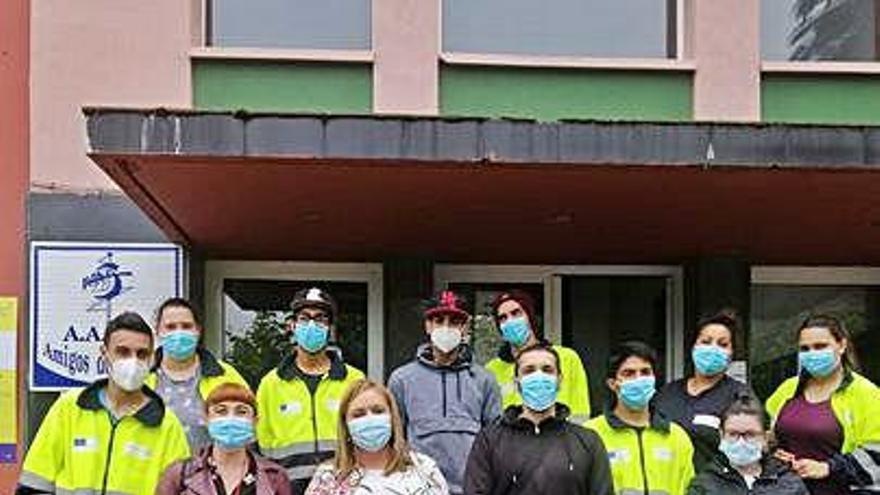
{"points": [[371, 432], [311, 336], [231, 432], [818, 363], [741, 452], [710, 360], [516, 331], [179, 345], [539, 390], [636, 394]]}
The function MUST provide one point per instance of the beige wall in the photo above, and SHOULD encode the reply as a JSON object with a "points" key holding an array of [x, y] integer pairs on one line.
{"points": [[100, 52]]}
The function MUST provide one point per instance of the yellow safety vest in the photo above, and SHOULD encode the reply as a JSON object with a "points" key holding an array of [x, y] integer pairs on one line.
{"points": [[856, 405], [295, 428], [574, 390], [214, 373], [78, 449], [657, 460]]}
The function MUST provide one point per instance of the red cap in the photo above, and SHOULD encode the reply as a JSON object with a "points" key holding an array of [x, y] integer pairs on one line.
{"points": [[446, 302]]}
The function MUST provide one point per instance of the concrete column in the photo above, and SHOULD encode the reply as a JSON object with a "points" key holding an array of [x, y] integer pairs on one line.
{"points": [[14, 177], [406, 47], [724, 40], [407, 283], [711, 284]]}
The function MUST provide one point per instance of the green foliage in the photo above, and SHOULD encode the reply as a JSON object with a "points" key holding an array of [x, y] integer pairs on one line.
{"points": [[260, 349]]}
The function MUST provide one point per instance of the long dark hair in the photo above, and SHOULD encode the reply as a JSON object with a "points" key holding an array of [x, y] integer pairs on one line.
{"points": [[839, 332]]}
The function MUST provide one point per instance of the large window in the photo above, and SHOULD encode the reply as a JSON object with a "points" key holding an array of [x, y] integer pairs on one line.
{"points": [[247, 303], [307, 24], [844, 30], [780, 305], [591, 28]]}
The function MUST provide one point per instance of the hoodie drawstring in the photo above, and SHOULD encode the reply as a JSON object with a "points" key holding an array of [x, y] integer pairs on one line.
{"points": [[458, 384]]}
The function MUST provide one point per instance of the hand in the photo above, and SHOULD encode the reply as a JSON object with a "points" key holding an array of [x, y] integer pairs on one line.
{"points": [[811, 470], [784, 456]]}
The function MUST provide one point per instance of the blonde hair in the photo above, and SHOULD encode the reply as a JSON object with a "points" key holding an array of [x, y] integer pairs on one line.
{"points": [[345, 461]]}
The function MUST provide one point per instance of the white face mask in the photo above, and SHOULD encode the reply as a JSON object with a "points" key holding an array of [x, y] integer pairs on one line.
{"points": [[446, 338], [129, 373]]}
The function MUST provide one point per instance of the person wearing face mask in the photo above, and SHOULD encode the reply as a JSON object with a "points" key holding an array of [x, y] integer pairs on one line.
{"points": [[648, 453], [114, 436], [186, 372], [372, 455], [226, 466], [514, 315], [827, 419], [535, 449], [695, 403], [444, 397], [746, 468], [298, 402]]}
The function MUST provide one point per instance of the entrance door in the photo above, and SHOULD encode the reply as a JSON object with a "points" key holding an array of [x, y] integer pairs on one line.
{"points": [[599, 312], [587, 308]]}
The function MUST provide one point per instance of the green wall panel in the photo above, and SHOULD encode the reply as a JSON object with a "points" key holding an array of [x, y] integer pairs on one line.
{"points": [[271, 86], [553, 94], [820, 98]]}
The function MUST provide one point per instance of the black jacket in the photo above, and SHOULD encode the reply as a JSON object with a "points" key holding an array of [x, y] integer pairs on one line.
{"points": [[514, 456], [720, 479]]}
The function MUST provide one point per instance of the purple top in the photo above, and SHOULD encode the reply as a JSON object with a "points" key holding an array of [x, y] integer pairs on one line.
{"points": [[812, 431]]}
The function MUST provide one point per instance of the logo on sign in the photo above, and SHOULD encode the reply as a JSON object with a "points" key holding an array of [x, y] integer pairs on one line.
{"points": [[106, 283]]}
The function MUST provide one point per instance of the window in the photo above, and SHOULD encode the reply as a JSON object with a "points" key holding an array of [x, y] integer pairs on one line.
{"points": [[842, 30], [777, 310], [592, 28], [325, 24]]}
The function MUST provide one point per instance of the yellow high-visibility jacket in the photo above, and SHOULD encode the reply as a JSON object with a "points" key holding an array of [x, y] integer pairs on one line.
{"points": [[856, 405], [574, 390], [80, 450], [296, 428], [656, 460], [214, 373]]}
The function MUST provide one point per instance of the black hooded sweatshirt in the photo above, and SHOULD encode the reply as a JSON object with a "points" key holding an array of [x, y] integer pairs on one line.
{"points": [[721, 479], [515, 456]]}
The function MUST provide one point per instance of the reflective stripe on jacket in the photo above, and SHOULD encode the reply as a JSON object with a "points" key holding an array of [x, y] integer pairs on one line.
{"points": [[657, 460], [295, 428], [79, 450]]}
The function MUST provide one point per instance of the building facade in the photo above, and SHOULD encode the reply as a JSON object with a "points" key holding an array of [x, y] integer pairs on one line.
{"points": [[631, 164]]}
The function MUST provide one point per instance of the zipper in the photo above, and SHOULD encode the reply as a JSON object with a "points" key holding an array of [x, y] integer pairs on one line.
{"points": [[314, 418], [443, 374], [113, 427], [642, 461]]}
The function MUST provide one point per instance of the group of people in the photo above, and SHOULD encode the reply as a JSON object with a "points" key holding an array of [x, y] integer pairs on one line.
{"points": [[179, 421]]}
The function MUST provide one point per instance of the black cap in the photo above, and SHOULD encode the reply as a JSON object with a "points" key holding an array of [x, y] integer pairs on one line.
{"points": [[314, 298]]}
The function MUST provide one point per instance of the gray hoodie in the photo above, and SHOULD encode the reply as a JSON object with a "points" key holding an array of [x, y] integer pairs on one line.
{"points": [[444, 407]]}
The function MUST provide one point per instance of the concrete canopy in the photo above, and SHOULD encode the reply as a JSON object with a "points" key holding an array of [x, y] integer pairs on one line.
{"points": [[317, 187]]}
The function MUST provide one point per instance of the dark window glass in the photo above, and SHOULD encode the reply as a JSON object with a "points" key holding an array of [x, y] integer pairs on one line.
{"points": [[599, 312], [594, 28], [325, 24], [844, 30], [778, 310]]}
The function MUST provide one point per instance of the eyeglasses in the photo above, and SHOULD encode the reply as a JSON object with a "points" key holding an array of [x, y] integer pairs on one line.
{"points": [[305, 318], [744, 435]]}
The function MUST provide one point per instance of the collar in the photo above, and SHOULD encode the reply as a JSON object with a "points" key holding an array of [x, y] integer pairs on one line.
{"points": [[848, 377], [150, 414], [512, 418], [209, 365], [425, 356], [658, 422], [505, 352], [288, 370]]}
